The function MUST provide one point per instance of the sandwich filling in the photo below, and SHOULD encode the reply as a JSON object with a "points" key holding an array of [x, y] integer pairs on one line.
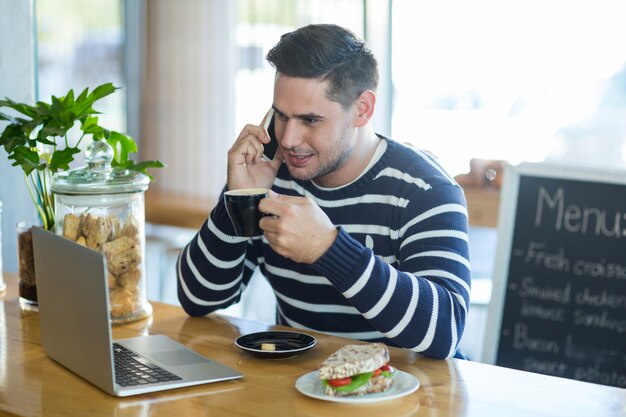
{"points": [[357, 370], [353, 383]]}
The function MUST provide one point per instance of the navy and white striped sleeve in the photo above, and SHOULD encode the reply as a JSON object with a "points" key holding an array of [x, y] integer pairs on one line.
{"points": [[421, 304], [214, 269]]}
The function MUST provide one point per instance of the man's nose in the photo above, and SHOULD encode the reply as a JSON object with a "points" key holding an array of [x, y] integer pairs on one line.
{"points": [[291, 135]]}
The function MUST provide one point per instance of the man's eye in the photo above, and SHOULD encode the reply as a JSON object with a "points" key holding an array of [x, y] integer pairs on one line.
{"points": [[310, 120]]}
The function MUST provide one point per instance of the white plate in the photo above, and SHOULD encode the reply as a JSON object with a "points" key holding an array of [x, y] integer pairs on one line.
{"points": [[403, 384]]}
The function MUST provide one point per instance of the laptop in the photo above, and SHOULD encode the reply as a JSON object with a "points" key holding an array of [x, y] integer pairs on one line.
{"points": [[74, 320]]}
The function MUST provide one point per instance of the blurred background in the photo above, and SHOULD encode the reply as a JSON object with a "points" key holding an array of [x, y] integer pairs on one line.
{"points": [[502, 80], [492, 79]]}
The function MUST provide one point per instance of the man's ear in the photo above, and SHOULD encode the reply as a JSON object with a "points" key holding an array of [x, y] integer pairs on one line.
{"points": [[365, 108]]}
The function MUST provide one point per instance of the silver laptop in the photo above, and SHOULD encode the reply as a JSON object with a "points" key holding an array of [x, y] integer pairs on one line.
{"points": [[74, 316]]}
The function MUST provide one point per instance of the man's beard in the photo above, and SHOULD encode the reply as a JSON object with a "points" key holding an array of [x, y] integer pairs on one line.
{"points": [[338, 157]]}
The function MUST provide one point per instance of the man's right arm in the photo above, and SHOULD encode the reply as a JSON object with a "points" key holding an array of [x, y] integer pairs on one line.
{"points": [[212, 270]]}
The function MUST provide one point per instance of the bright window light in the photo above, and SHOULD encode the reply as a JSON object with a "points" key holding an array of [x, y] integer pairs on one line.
{"points": [[512, 80]]}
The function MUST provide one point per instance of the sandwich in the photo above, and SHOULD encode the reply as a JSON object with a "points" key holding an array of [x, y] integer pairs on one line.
{"points": [[357, 370]]}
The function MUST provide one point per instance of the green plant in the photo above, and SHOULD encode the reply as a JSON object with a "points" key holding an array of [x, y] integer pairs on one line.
{"points": [[39, 141]]}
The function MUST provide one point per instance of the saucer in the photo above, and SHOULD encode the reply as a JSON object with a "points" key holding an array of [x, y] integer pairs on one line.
{"points": [[287, 344]]}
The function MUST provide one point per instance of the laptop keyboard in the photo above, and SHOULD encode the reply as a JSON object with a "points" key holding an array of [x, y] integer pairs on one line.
{"points": [[132, 369]]}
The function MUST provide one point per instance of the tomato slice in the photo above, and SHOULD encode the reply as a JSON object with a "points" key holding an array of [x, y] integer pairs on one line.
{"points": [[377, 372], [339, 382], [385, 367]]}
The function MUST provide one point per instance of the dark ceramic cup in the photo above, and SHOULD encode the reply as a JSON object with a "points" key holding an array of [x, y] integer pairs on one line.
{"points": [[243, 209]]}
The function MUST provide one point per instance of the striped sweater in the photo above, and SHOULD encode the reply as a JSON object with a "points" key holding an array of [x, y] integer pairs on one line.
{"points": [[398, 271]]}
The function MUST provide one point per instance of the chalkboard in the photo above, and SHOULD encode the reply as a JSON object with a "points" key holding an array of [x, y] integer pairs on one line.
{"points": [[558, 304]]}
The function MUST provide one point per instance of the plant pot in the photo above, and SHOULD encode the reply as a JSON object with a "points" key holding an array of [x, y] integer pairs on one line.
{"points": [[26, 267]]}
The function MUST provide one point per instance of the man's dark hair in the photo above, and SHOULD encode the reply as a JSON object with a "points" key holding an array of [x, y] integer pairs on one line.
{"points": [[327, 52]]}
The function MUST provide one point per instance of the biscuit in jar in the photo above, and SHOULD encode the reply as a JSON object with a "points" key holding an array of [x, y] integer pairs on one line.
{"points": [[122, 254], [122, 302], [129, 279], [98, 232], [130, 228], [71, 226]]}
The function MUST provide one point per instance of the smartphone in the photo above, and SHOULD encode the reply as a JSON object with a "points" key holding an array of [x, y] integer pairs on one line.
{"points": [[269, 149]]}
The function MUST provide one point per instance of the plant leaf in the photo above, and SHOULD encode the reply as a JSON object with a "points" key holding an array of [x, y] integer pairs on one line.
{"points": [[43, 109], [51, 129], [26, 158], [45, 141], [82, 96], [102, 91], [83, 104], [85, 101], [142, 166], [12, 137], [23, 108], [68, 100], [88, 122], [60, 113], [122, 146], [90, 126], [6, 117], [61, 159]]}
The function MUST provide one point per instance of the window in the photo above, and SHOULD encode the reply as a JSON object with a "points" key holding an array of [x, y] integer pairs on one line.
{"points": [[260, 23], [80, 45], [514, 80], [206, 76]]}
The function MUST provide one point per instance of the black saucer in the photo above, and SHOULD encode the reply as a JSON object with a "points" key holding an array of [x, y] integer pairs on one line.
{"points": [[287, 343]]}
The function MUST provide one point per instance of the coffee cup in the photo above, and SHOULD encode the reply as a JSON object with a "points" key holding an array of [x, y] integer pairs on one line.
{"points": [[243, 209]]}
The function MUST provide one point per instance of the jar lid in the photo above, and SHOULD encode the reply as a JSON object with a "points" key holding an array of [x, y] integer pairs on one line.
{"points": [[99, 177]]}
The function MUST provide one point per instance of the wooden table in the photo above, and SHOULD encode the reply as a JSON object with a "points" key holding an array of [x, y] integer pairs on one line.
{"points": [[33, 385]]}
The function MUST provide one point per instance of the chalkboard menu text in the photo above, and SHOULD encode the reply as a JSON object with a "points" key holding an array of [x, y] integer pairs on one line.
{"points": [[559, 300]]}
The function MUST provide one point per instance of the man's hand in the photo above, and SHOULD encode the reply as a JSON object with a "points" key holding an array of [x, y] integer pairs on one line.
{"points": [[299, 229], [246, 169]]}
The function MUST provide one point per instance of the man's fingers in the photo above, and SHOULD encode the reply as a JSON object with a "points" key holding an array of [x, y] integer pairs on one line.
{"points": [[268, 224], [249, 132], [247, 150], [276, 203], [292, 199], [273, 194], [280, 205]]}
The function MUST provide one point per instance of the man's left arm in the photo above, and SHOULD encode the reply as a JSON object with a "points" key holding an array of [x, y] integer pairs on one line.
{"points": [[422, 303]]}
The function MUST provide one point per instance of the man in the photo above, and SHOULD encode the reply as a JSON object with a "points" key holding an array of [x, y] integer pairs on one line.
{"points": [[367, 238]]}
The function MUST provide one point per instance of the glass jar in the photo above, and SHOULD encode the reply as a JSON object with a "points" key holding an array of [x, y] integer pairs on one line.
{"points": [[26, 278], [102, 208]]}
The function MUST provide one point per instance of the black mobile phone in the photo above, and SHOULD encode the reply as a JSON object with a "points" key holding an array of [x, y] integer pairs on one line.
{"points": [[269, 149]]}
